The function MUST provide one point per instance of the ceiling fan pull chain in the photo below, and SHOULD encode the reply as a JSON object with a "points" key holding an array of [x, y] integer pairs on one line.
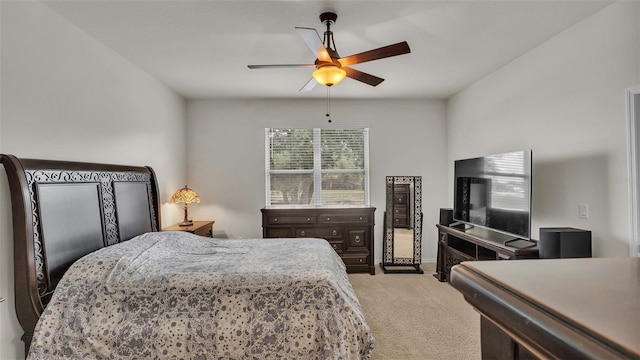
{"points": [[328, 104]]}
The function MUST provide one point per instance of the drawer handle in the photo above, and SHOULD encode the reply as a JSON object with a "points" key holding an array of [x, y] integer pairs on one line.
{"points": [[308, 219], [275, 219], [357, 238], [302, 233], [328, 218], [397, 220], [334, 232], [360, 217], [335, 246], [361, 260]]}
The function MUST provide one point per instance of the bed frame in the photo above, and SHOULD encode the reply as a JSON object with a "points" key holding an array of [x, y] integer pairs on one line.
{"points": [[63, 211]]}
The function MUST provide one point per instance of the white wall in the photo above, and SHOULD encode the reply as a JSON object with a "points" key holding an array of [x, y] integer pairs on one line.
{"points": [[226, 155], [566, 101], [67, 97]]}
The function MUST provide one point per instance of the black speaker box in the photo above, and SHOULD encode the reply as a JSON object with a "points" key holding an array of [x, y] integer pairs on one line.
{"points": [[564, 242], [446, 216]]}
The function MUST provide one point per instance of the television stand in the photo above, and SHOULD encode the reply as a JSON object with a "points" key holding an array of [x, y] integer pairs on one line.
{"points": [[476, 244]]}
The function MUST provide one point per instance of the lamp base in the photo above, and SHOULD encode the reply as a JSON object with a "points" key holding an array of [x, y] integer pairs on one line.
{"points": [[186, 223]]}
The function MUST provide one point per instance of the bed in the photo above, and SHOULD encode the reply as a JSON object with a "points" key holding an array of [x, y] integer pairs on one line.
{"points": [[95, 278]]}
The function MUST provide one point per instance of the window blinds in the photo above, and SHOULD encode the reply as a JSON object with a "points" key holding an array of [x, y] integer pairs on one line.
{"points": [[317, 166]]}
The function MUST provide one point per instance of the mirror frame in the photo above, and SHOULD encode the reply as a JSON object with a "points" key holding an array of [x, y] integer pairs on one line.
{"points": [[388, 258]]}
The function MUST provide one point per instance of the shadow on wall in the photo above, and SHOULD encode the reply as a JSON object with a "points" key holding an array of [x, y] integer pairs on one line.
{"points": [[561, 185], [220, 234]]}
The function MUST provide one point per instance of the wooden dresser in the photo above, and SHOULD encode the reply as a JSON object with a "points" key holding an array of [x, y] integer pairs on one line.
{"points": [[349, 230]]}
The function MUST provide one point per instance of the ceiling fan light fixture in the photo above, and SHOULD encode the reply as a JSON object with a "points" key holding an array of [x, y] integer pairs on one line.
{"points": [[331, 68], [329, 75]]}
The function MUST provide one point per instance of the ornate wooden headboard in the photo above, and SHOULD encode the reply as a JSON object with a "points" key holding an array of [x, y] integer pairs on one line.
{"points": [[64, 210]]}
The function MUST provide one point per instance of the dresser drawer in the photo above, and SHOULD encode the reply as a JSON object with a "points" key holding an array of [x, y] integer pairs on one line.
{"points": [[279, 232], [355, 259], [343, 218], [357, 239], [290, 219], [325, 233], [337, 245], [329, 233], [311, 232], [400, 221]]}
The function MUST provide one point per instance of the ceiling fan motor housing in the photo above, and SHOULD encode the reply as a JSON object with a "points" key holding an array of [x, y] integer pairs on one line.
{"points": [[328, 17]]}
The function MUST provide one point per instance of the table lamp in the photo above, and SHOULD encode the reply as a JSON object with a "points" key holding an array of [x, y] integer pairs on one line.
{"points": [[186, 196]]}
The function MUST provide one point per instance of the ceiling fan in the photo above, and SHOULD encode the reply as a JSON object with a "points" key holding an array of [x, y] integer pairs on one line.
{"points": [[330, 67]]}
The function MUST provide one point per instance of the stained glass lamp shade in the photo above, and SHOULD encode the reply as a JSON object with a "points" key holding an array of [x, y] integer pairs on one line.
{"points": [[186, 196]]}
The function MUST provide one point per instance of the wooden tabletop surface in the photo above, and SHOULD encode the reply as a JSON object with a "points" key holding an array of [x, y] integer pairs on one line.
{"points": [[600, 296]]}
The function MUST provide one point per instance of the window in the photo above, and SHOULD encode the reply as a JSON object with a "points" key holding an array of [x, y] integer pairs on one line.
{"points": [[317, 166]]}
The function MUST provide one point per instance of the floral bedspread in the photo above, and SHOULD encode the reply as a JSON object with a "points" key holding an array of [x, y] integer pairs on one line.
{"points": [[175, 295]]}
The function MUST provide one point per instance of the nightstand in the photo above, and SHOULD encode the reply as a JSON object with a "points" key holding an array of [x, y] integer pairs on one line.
{"points": [[202, 228]]}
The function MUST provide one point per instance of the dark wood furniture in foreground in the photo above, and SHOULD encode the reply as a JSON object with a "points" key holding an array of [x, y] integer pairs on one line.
{"points": [[202, 228], [349, 230], [103, 205], [456, 245], [557, 308]]}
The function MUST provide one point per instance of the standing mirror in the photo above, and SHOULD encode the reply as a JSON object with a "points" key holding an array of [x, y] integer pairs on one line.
{"points": [[402, 242]]}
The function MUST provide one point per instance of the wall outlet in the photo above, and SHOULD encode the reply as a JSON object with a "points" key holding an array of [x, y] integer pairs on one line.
{"points": [[583, 211]]}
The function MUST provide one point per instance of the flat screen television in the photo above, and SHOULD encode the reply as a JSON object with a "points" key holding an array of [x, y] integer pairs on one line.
{"points": [[494, 192]]}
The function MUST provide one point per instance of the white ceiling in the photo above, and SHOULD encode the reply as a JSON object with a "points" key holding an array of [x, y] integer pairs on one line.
{"points": [[201, 49]]}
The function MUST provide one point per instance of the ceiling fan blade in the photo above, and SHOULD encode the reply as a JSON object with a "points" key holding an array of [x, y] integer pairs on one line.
{"points": [[309, 85], [375, 54], [280, 66], [314, 42], [362, 76]]}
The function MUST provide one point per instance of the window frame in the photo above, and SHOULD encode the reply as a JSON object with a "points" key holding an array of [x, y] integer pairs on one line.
{"points": [[317, 170]]}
